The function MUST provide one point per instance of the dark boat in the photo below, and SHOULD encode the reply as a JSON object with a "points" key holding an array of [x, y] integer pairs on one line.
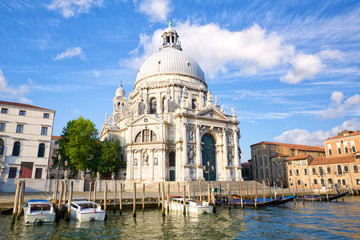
{"points": [[221, 200], [251, 202], [323, 198], [287, 199]]}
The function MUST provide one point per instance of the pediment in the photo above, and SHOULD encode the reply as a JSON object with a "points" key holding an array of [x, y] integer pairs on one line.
{"points": [[145, 120], [213, 113]]}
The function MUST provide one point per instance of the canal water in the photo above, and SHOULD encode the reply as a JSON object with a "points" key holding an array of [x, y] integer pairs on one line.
{"points": [[323, 220]]}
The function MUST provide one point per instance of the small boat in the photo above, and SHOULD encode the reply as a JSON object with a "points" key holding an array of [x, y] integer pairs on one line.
{"points": [[323, 198], [38, 211], [221, 199], [192, 206], [259, 202], [86, 211], [287, 199]]}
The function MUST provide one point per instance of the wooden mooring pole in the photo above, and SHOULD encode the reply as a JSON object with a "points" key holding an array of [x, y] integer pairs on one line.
{"points": [[95, 186], [143, 197], [200, 193], [256, 194], [134, 200], [159, 196], [69, 201], [90, 191], [213, 198], [120, 198], [184, 200], [162, 199], [105, 195], [61, 195], [64, 193], [21, 197], [115, 190], [229, 195], [16, 202], [168, 199], [55, 192]]}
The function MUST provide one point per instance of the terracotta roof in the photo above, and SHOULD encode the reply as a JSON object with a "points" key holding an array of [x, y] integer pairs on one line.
{"points": [[245, 165], [300, 157], [345, 134], [279, 155], [294, 146], [55, 137], [23, 105], [332, 160]]}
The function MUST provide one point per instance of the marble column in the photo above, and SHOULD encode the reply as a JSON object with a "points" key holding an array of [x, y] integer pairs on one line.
{"points": [[152, 165], [237, 166], [140, 163], [130, 165], [163, 164], [199, 167]]}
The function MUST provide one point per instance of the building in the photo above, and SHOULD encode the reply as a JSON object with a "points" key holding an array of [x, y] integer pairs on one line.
{"points": [[269, 160], [54, 173], [340, 167], [169, 126], [25, 137]]}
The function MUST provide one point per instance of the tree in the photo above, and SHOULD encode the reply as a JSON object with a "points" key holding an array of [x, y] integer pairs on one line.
{"points": [[110, 160], [80, 146]]}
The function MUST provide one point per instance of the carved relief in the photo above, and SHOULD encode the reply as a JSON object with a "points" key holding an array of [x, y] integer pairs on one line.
{"points": [[135, 162], [191, 133], [202, 128], [230, 137], [230, 154], [219, 130], [146, 159], [156, 161], [191, 154]]}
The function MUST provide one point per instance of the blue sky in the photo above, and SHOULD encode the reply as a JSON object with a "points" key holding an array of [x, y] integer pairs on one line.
{"points": [[290, 68]]}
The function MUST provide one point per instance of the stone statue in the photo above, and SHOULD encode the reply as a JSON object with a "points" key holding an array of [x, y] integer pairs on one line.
{"points": [[146, 160], [191, 155], [135, 162], [209, 100], [66, 174], [97, 176], [230, 137], [106, 119], [233, 111], [156, 161], [216, 101], [191, 133], [82, 175], [230, 157], [113, 176]]}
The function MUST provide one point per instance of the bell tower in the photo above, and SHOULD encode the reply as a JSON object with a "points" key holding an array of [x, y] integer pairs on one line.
{"points": [[119, 99]]}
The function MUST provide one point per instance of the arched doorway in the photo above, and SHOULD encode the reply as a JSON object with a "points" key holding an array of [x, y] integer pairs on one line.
{"points": [[208, 156]]}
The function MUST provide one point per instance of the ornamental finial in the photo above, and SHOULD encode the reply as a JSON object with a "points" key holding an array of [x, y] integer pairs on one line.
{"points": [[170, 22]]}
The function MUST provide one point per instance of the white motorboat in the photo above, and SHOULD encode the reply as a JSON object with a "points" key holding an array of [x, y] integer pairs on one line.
{"points": [[192, 206], [38, 211], [86, 211]]}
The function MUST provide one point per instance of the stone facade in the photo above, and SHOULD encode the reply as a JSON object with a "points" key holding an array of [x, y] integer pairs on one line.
{"points": [[25, 136], [169, 126], [268, 160], [339, 169]]}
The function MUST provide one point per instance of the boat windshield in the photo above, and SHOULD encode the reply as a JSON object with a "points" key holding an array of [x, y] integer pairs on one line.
{"points": [[40, 207], [87, 205]]}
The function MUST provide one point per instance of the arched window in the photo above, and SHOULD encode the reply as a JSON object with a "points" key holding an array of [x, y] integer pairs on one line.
{"points": [[138, 137], [146, 136], [172, 159], [193, 104], [153, 106], [41, 151], [2, 146], [16, 149], [339, 170]]}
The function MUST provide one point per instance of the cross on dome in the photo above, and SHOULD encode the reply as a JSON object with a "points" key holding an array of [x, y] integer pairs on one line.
{"points": [[170, 38]]}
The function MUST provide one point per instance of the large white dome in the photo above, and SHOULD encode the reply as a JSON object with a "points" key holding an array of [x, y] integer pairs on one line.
{"points": [[170, 61]]}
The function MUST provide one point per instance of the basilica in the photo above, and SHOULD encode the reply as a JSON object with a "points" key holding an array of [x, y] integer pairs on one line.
{"points": [[169, 126]]}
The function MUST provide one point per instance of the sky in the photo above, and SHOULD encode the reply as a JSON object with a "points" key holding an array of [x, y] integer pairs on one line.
{"points": [[289, 68]]}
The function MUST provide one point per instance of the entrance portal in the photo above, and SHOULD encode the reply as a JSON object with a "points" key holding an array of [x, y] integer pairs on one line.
{"points": [[208, 157]]}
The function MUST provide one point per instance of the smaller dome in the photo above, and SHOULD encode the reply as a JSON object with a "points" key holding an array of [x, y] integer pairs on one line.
{"points": [[120, 92]]}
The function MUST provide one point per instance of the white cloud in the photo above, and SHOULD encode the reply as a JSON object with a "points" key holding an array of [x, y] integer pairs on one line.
{"points": [[70, 53], [216, 48], [332, 54], [96, 73], [340, 108], [304, 66], [11, 93], [71, 8], [156, 10], [303, 136]]}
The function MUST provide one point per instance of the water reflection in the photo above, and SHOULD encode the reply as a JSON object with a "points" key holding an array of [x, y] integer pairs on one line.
{"points": [[338, 220]]}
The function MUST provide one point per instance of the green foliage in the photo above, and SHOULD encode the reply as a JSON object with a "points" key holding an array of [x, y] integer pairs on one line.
{"points": [[80, 149], [110, 158], [79, 146]]}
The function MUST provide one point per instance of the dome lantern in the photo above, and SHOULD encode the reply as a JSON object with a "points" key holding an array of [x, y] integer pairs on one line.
{"points": [[170, 38]]}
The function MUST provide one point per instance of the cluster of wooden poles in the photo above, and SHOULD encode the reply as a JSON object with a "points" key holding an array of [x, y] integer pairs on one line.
{"points": [[18, 201]]}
